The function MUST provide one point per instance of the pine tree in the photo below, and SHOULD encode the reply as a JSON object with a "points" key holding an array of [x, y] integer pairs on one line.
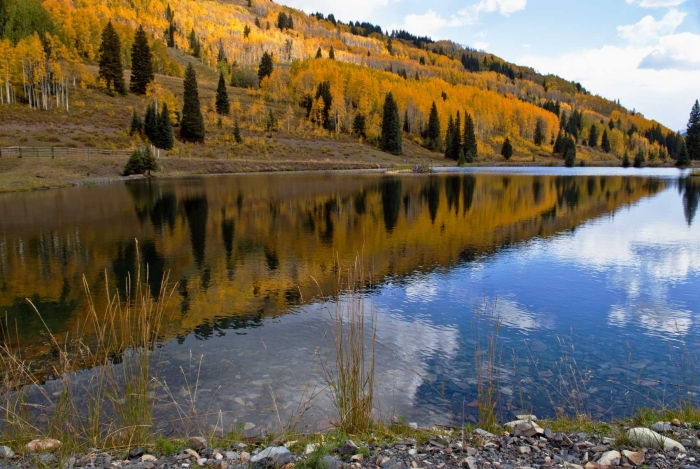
{"points": [[605, 144], [149, 161], [433, 137], [593, 137], [456, 138], [359, 125], [611, 124], [266, 67], [507, 149], [539, 133], [626, 160], [141, 63], [449, 137], [639, 159], [683, 155], [246, 31], [136, 126], [223, 107], [570, 157], [462, 158], [559, 143], [191, 122], [237, 132], [135, 164], [331, 53], [111, 67], [281, 20], [692, 139], [257, 22], [469, 156], [391, 127], [319, 54], [165, 130], [470, 143], [271, 123], [150, 122]]}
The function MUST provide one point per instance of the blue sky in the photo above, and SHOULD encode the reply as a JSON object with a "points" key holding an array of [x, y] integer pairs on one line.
{"points": [[644, 52]]}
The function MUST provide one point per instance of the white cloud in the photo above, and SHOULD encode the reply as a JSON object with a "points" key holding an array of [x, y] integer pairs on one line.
{"points": [[656, 3], [470, 14], [649, 29], [357, 10], [674, 52], [427, 24], [481, 45]]}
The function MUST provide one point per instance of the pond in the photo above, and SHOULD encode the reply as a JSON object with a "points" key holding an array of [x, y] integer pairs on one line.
{"points": [[592, 273]]}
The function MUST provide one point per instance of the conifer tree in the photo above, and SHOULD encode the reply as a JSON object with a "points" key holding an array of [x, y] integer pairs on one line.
{"points": [[605, 144], [149, 161], [570, 157], [246, 31], [331, 53], [462, 158], [319, 54], [237, 132], [150, 122], [359, 125], [692, 139], [593, 137], [456, 138], [611, 124], [449, 137], [136, 126], [165, 130], [639, 159], [266, 67], [257, 22], [111, 67], [626, 160], [433, 137], [507, 149], [223, 107], [391, 127], [683, 158], [539, 133], [559, 143], [191, 122], [470, 143], [282, 20], [141, 63]]}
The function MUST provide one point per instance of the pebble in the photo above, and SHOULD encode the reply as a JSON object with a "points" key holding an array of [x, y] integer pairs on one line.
{"points": [[6, 452], [198, 443], [610, 458]]}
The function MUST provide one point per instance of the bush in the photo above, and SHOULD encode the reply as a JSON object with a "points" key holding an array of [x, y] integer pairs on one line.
{"points": [[243, 78], [140, 162]]}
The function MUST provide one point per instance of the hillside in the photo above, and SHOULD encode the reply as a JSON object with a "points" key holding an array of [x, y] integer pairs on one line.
{"points": [[51, 95]]}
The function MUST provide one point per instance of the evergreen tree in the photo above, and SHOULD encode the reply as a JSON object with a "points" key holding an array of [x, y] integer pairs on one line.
{"points": [[569, 146], [246, 31], [626, 160], [359, 125], [611, 124], [433, 137], [257, 22], [319, 54], [456, 138], [559, 143], [195, 46], [406, 126], [237, 132], [692, 139], [462, 158], [593, 137], [470, 143], [150, 122], [324, 91], [191, 122], [135, 164], [507, 149], [223, 107], [282, 20], [331, 53], [639, 159], [570, 157], [136, 126], [683, 158], [605, 144], [539, 133], [449, 137], [165, 130], [391, 127], [111, 68], [469, 156], [271, 123], [149, 161], [266, 67], [141, 63]]}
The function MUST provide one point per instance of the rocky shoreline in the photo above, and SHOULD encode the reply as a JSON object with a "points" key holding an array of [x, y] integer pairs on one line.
{"points": [[522, 444]]}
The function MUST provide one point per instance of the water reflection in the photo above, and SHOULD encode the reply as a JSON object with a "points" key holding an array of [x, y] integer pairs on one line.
{"points": [[610, 256]]}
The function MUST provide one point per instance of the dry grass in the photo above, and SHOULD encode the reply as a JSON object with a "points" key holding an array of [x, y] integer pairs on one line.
{"points": [[486, 326]]}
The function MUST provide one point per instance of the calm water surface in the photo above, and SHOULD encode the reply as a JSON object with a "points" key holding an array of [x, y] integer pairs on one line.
{"points": [[594, 273]]}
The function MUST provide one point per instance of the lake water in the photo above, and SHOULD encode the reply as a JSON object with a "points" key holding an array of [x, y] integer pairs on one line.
{"points": [[593, 273]]}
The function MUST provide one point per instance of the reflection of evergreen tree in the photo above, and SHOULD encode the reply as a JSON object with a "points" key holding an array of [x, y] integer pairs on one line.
{"points": [[537, 190], [452, 189], [154, 262], [125, 266], [228, 228], [328, 209], [271, 258], [691, 198], [56, 314], [185, 294], [431, 193], [468, 186], [164, 211], [359, 203], [196, 211], [391, 202]]}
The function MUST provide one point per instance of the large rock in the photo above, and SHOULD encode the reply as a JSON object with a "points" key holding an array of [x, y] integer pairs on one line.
{"points": [[348, 449], [198, 443], [43, 445], [330, 462], [609, 458], [274, 456], [634, 457], [528, 429], [646, 438]]}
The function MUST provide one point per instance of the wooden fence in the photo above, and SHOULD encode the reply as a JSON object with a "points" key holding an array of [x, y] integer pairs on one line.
{"points": [[58, 152]]}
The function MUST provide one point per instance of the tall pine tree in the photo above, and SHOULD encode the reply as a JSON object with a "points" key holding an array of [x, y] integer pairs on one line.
{"points": [[141, 63], [111, 67], [605, 144], [449, 137], [266, 67], [165, 130], [391, 127], [223, 107], [683, 155], [507, 149], [434, 132], [470, 143], [692, 139], [539, 133], [191, 122], [331, 53], [593, 137], [456, 138]]}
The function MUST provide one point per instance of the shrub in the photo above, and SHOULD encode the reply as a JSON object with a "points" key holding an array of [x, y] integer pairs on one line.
{"points": [[243, 78], [140, 162]]}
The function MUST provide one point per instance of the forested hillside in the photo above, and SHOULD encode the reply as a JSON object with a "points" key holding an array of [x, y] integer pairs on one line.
{"points": [[307, 76]]}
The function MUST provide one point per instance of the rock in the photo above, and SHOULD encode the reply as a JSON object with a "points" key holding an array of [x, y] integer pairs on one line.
{"points": [[528, 429], [273, 456], [348, 449], [330, 462], [609, 458], [599, 449], [148, 457], [413, 426], [485, 434], [650, 439], [524, 449], [634, 457], [676, 423], [470, 463], [198, 443], [310, 448], [135, 453], [202, 462], [359, 457], [382, 460], [6, 452], [48, 458], [592, 465], [248, 426], [43, 445], [232, 456], [513, 423], [661, 427], [192, 453], [245, 457], [526, 417]]}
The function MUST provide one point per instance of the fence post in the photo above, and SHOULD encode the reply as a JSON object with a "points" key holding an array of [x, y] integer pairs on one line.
{"points": [[20, 152], [53, 155]]}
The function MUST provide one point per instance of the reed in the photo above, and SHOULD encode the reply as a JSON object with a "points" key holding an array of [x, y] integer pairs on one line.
{"points": [[486, 326], [348, 368], [109, 403]]}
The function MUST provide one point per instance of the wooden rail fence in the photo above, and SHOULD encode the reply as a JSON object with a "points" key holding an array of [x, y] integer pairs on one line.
{"points": [[58, 152]]}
